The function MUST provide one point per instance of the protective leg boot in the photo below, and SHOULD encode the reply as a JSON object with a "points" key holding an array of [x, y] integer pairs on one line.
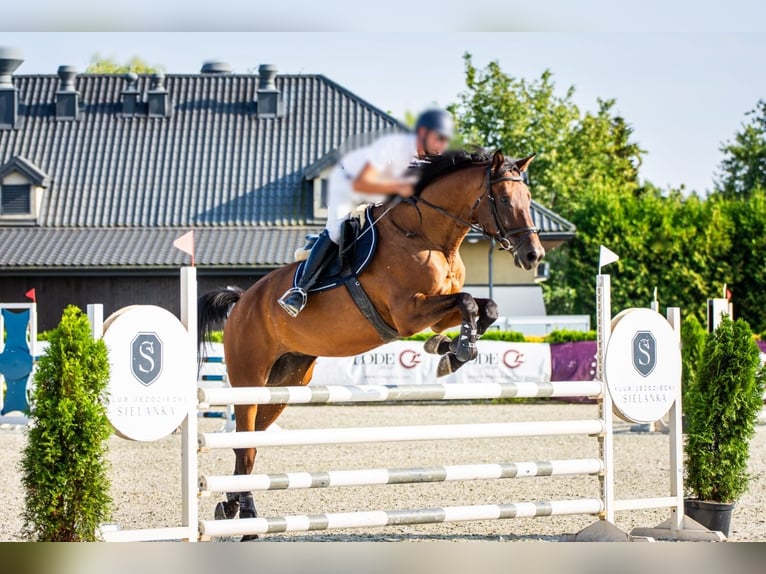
{"points": [[294, 299]]}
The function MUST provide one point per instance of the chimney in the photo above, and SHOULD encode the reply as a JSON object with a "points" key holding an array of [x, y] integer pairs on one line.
{"points": [[215, 68], [10, 60], [157, 97], [129, 96], [67, 98], [269, 102]]}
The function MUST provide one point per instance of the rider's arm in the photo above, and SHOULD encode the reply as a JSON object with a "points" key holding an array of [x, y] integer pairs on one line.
{"points": [[369, 181]]}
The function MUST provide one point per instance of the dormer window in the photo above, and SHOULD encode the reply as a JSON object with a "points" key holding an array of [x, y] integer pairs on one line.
{"points": [[15, 200], [317, 176], [21, 188]]}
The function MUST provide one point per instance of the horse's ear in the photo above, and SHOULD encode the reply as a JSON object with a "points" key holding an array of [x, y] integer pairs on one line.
{"points": [[523, 164], [498, 160]]}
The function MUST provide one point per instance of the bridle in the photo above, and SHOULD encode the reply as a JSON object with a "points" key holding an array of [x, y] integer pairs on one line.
{"points": [[503, 235]]}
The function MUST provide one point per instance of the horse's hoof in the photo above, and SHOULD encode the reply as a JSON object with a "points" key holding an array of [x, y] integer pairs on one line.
{"points": [[445, 367], [226, 510], [249, 538], [437, 345], [465, 352]]}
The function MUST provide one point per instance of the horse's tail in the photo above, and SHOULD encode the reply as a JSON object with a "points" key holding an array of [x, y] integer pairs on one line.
{"points": [[212, 310]]}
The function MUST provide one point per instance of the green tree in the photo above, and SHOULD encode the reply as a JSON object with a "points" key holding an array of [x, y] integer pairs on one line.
{"points": [[722, 412], [577, 152], [743, 169], [747, 258], [63, 466], [692, 346], [101, 65]]}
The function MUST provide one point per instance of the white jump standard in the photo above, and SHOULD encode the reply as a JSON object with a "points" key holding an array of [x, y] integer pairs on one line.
{"points": [[634, 330]]}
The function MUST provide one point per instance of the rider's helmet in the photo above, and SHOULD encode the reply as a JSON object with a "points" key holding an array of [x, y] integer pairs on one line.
{"points": [[439, 121]]}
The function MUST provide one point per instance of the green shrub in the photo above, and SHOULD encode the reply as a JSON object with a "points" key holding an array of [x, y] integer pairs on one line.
{"points": [[692, 344], [507, 336], [567, 336], [722, 412], [63, 466]]}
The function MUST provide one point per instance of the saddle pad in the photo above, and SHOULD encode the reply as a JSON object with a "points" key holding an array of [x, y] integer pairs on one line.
{"points": [[361, 254]]}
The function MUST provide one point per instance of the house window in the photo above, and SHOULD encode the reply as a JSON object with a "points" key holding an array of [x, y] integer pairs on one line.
{"points": [[319, 187], [323, 190], [15, 200]]}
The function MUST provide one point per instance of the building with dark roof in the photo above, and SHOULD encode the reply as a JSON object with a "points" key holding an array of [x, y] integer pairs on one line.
{"points": [[100, 173]]}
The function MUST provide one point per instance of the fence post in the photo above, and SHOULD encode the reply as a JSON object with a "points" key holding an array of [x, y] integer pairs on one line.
{"points": [[189, 487]]}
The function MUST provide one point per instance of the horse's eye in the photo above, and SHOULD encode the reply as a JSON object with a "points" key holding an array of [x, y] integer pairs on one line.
{"points": [[504, 200]]}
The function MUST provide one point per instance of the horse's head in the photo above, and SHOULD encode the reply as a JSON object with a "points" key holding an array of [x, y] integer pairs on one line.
{"points": [[504, 212]]}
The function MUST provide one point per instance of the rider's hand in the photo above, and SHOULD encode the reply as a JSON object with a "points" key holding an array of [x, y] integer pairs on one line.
{"points": [[406, 190]]}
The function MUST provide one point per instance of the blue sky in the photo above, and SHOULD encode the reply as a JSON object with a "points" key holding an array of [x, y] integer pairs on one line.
{"points": [[683, 92]]}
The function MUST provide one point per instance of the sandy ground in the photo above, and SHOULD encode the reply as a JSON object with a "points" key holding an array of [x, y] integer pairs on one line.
{"points": [[146, 476]]}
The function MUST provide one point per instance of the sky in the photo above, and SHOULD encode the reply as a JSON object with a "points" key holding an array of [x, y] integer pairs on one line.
{"points": [[683, 92]]}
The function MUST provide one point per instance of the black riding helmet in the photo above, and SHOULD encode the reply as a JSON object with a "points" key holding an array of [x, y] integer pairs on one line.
{"points": [[439, 121]]}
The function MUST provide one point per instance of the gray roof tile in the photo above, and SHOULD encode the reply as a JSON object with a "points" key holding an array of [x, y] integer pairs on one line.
{"points": [[119, 189], [212, 163]]}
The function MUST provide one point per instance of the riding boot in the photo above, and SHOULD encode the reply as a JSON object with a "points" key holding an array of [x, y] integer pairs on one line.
{"points": [[294, 299]]}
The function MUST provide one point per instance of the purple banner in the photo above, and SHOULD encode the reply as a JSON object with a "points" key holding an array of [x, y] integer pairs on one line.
{"points": [[574, 362], [762, 346]]}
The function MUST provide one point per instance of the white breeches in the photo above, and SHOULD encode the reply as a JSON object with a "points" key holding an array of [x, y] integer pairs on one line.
{"points": [[342, 200]]}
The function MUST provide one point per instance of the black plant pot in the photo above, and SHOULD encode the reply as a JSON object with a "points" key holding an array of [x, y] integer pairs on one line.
{"points": [[712, 515]]}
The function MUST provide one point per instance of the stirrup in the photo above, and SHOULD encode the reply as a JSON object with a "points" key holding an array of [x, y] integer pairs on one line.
{"points": [[290, 308]]}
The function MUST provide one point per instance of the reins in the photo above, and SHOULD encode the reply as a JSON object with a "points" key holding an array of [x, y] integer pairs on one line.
{"points": [[502, 236]]}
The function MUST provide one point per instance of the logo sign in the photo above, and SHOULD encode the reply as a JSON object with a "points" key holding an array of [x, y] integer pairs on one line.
{"points": [[513, 358], [146, 358], [642, 365], [153, 377], [409, 359], [644, 353]]}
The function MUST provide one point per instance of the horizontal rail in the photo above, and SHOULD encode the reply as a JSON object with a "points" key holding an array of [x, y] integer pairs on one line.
{"points": [[375, 476], [380, 393], [304, 523], [357, 435]]}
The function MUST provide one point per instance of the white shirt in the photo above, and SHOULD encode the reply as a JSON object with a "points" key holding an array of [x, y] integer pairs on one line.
{"points": [[390, 155]]}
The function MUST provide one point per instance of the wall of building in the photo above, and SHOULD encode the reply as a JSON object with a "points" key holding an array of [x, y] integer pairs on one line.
{"points": [[55, 292], [505, 272]]}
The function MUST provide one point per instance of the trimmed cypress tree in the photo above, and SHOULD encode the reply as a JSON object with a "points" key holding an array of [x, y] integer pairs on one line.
{"points": [[692, 346], [722, 413], [63, 465]]}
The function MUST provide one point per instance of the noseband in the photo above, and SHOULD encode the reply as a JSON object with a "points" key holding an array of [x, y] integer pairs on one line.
{"points": [[503, 235]]}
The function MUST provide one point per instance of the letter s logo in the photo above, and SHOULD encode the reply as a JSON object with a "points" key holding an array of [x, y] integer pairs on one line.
{"points": [[146, 350]]}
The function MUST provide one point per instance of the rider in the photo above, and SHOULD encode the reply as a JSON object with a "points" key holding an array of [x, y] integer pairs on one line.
{"points": [[368, 175]]}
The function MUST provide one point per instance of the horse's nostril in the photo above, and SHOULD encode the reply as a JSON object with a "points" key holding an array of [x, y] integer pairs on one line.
{"points": [[533, 256]]}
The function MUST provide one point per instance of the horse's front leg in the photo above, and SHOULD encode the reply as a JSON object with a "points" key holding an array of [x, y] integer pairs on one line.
{"points": [[431, 310], [441, 344]]}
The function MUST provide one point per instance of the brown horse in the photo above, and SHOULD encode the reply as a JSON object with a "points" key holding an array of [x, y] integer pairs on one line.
{"points": [[414, 281]]}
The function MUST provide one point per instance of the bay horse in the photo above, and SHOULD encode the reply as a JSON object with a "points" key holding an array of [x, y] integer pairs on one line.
{"points": [[415, 281]]}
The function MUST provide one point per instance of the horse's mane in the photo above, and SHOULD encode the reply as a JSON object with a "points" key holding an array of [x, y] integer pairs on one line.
{"points": [[437, 166]]}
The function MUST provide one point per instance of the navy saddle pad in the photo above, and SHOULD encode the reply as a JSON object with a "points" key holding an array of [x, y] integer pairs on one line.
{"points": [[359, 252]]}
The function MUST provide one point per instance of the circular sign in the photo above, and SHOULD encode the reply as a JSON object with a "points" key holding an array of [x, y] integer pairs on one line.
{"points": [[642, 365], [153, 379]]}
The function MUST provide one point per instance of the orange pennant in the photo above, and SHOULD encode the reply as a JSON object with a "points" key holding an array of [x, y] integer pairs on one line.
{"points": [[186, 244]]}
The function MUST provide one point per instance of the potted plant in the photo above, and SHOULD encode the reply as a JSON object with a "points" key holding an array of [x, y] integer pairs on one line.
{"points": [[722, 411]]}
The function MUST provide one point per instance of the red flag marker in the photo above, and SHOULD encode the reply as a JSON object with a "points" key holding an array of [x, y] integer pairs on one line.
{"points": [[31, 295], [186, 244]]}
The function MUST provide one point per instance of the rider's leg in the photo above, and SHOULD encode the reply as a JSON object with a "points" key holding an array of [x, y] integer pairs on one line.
{"points": [[340, 202], [294, 300]]}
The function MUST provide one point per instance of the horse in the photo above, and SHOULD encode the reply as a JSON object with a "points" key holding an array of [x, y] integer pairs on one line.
{"points": [[415, 282]]}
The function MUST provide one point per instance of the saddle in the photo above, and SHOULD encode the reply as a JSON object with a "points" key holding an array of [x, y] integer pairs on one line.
{"points": [[358, 242]]}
